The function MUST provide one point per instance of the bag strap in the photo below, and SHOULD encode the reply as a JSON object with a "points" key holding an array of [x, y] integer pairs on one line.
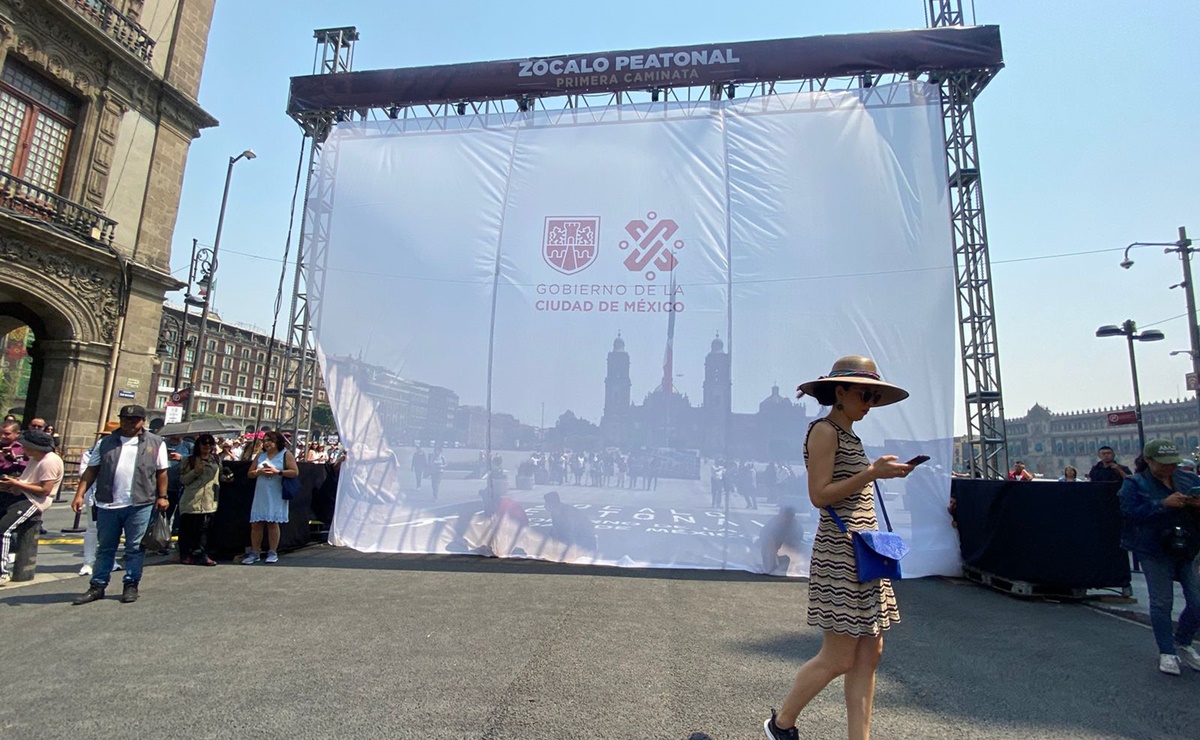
{"points": [[842, 525], [879, 494], [837, 520]]}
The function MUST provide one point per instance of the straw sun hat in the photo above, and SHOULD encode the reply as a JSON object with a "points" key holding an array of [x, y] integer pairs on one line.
{"points": [[857, 370]]}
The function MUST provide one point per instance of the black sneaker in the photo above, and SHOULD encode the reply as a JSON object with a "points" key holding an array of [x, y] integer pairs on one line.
{"points": [[130, 594], [94, 593], [774, 732]]}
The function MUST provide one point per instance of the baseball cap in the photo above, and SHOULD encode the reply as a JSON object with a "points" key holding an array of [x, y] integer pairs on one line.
{"points": [[133, 410], [1162, 451]]}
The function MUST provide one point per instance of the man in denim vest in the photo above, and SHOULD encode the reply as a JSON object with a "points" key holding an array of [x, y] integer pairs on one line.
{"points": [[129, 469]]}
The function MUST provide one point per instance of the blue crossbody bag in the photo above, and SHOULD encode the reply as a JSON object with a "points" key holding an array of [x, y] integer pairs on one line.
{"points": [[876, 554]]}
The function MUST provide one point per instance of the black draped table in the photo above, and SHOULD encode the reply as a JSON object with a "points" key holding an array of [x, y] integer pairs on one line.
{"points": [[1062, 536], [231, 524]]}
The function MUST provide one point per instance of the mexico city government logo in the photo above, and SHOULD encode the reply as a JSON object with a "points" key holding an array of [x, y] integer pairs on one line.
{"points": [[570, 243], [653, 245]]}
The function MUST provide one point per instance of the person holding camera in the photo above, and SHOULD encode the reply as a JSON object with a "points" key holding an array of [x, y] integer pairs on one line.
{"points": [[12, 458], [29, 494], [1162, 527]]}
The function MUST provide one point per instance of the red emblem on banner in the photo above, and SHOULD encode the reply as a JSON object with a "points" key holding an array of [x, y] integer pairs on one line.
{"points": [[570, 243], [1119, 418], [652, 245]]}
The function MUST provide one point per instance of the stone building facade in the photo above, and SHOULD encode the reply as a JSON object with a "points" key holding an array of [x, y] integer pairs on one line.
{"points": [[235, 375], [1047, 442], [97, 112]]}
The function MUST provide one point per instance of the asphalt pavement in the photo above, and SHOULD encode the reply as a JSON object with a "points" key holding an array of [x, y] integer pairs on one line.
{"points": [[333, 643]]}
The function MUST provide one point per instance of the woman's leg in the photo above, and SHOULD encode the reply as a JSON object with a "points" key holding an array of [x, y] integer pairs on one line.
{"points": [[273, 536], [860, 686], [187, 536], [202, 536], [837, 656], [256, 533], [1160, 586]]}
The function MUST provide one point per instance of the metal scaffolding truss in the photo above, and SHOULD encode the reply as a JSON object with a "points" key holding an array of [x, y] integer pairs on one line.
{"points": [[980, 352], [959, 89], [334, 55]]}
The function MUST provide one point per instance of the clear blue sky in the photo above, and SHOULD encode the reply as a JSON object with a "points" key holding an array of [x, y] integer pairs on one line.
{"points": [[1087, 142]]}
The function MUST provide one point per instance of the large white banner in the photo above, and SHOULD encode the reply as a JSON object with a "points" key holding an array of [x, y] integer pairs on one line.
{"points": [[576, 335]]}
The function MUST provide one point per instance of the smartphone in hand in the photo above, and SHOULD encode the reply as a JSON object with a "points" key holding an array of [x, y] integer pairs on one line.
{"points": [[918, 460]]}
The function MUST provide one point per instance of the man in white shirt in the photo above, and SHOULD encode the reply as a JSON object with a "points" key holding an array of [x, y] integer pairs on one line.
{"points": [[30, 494], [129, 470]]}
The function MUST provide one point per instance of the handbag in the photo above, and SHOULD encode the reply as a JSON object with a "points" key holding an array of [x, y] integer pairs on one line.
{"points": [[291, 487], [158, 533], [876, 554]]}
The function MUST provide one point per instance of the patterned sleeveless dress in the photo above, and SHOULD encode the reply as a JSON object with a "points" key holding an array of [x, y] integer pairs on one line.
{"points": [[836, 600]]}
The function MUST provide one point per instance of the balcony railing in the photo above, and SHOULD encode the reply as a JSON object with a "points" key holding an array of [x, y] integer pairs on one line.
{"points": [[123, 29], [28, 199]]}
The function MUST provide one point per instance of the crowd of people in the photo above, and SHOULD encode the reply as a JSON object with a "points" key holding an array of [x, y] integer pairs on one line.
{"points": [[132, 475]]}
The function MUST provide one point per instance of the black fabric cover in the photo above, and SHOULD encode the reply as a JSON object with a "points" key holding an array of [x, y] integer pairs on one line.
{"points": [[1048, 534], [231, 524]]}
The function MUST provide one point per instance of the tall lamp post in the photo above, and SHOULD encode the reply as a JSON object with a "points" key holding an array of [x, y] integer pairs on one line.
{"points": [[207, 282], [1129, 330], [1182, 247]]}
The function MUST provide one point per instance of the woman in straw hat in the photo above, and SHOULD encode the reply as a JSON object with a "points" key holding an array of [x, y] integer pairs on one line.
{"points": [[853, 615]]}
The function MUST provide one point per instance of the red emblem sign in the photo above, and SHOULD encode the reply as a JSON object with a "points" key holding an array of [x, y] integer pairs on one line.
{"points": [[1119, 418], [570, 243], [652, 245]]}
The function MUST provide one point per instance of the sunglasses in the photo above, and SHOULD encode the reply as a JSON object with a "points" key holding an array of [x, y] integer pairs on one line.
{"points": [[870, 396]]}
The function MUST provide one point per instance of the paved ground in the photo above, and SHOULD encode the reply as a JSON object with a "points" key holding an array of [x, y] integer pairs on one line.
{"points": [[331, 643]]}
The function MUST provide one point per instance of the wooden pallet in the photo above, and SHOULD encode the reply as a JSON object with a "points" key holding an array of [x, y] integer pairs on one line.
{"points": [[1026, 588]]}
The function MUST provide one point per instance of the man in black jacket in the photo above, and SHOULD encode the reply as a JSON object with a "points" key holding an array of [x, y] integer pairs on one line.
{"points": [[1108, 470]]}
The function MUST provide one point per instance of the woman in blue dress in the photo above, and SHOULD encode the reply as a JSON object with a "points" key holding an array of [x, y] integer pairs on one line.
{"points": [[270, 466]]}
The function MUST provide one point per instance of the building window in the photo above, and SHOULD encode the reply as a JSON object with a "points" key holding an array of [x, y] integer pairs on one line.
{"points": [[206, 375], [258, 368], [271, 385], [261, 356], [187, 372], [210, 359], [202, 406], [168, 367], [229, 349], [227, 363], [258, 384], [164, 383], [274, 371], [241, 381], [205, 388], [224, 391], [189, 355], [211, 344], [244, 366], [237, 409], [160, 402], [220, 408], [36, 121], [224, 377], [246, 352]]}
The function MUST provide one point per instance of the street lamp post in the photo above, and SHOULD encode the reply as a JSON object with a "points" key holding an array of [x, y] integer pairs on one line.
{"points": [[1128, 329], [1182, 247], [207, 281]]}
